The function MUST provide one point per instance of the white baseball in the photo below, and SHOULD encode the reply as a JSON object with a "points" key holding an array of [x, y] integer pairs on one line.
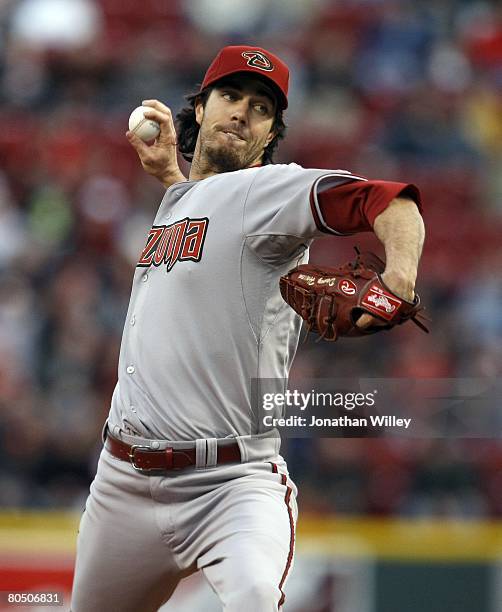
{"points": [[146, 129]]}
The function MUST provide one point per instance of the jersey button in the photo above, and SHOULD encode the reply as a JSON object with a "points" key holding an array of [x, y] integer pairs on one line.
{"points": [[130, 369], [133, 320], [145, 277], [133, 409]]}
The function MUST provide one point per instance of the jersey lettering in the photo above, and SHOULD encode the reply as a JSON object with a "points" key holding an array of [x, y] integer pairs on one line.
{"points": [[162, 246], [180, 241], [196, 231], [151, 245], [175, 241]]}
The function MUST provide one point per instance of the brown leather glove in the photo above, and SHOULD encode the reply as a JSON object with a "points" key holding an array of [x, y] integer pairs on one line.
{"points": [[331, 300]]}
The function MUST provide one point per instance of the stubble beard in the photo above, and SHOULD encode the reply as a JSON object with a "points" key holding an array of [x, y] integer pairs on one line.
{"points": [[225, 158]]}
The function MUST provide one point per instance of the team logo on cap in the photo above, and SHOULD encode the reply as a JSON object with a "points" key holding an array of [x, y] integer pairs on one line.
{"points": [[256, 59]]}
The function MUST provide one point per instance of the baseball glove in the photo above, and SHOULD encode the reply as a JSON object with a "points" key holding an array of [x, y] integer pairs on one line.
{"points": [[331, 300]]}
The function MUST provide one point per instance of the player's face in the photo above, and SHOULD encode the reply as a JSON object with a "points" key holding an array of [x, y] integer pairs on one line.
{"points": [[236, 124]]}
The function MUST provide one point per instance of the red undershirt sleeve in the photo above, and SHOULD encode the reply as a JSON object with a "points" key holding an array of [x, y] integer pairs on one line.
{"points": [[353, 207]]}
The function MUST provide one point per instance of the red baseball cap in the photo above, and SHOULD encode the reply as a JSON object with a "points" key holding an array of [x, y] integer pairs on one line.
{"points": [[250, 59]]}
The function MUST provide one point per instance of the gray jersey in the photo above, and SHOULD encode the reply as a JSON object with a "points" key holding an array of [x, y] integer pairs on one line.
{"points": [[206, 315]]}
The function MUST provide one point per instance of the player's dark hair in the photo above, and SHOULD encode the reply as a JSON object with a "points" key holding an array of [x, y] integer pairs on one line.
{"points": [[187, 127]]}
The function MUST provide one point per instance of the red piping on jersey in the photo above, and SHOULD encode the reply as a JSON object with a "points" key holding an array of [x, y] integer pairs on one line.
{"points": [[314, 211], [287, 498]]}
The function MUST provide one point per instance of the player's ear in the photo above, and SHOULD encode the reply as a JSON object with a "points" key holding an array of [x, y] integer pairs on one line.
{"points": [[199, 110], [271, 135]]}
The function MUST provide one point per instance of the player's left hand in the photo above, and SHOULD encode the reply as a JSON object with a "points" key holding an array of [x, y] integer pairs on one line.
{"points": [[398, 284], [159, 159], [329, 299]]}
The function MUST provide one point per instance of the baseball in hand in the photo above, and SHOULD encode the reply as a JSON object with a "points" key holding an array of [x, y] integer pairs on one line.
{"points": [[146, 129]]}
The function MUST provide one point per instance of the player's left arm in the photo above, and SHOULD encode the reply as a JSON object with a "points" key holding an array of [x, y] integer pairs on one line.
{"points": [[393, 212], [401, 230]]}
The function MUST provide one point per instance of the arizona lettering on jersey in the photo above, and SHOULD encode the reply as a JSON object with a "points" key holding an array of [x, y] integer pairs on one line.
{"points": [[180, 241]]}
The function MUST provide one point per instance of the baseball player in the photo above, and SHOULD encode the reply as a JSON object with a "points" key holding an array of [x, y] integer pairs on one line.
{"points": [[188, 478]]}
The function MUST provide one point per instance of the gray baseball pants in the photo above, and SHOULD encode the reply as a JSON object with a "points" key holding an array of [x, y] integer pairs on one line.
{"points": [[140, 535]]}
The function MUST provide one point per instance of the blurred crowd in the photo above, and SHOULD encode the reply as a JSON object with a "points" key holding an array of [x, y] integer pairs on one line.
{"points": [[393, 89]]}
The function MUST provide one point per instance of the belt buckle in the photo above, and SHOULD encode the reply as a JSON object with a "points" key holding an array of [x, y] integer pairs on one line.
{"points": [[132, 457]]}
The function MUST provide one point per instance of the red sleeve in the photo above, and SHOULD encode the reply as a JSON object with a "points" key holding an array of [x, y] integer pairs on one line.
{"points": [[354, 206]]}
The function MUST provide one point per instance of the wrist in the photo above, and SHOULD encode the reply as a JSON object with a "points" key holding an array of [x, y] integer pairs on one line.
{"points": [[403, 285], [171, 176]]}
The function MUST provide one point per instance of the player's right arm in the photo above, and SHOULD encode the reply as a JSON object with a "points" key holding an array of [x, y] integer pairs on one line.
{"points": [[159, 159]]}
